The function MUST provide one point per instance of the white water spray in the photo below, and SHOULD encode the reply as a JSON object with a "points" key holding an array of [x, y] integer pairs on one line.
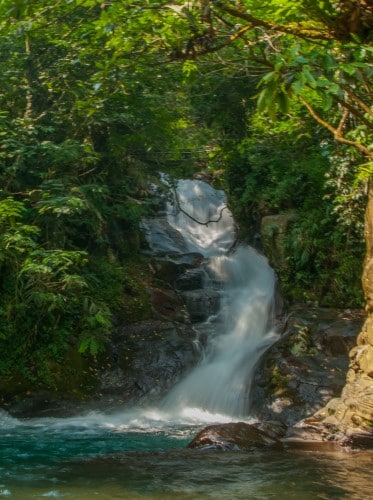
{"points": [[221, 383]]}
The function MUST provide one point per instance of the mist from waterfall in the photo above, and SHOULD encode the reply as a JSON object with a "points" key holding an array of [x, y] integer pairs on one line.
{"points": [[243, 327]]}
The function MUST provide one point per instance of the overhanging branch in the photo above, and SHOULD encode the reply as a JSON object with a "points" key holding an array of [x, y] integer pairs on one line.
{"points": [[295, 30], [337, 132]]}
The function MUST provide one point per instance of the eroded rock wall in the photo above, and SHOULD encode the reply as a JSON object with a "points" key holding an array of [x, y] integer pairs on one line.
{"points": [[350, 417]]}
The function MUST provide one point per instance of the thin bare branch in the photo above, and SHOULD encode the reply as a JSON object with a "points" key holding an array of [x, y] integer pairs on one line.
{"points": [[336, 133], [296, 30], [358, 101]]}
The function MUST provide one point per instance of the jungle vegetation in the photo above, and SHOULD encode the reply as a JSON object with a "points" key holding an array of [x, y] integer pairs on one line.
{"points": [[272, 99]]}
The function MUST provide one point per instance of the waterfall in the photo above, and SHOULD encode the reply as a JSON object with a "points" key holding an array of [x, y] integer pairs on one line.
{"points": [[199, 212], [241, 329]]}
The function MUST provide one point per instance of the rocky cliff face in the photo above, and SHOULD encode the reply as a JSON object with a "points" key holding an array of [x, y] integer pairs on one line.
{"points": [[349, 418]]}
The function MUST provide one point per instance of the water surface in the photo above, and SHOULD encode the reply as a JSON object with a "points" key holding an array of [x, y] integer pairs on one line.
{"points": [[98, 456]]}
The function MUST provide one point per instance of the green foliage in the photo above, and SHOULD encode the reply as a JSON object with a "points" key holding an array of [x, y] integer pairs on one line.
{"points": [[95, 97], [364, 174], [325, 261], [96, 324], [275, 170], [42, 296], [280, 159], [79, 116]]}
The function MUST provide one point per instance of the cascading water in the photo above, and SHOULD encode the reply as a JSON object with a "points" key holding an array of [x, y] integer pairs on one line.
{"points": [[217, 390], [221, 383], [100, 455], [242, 328]]}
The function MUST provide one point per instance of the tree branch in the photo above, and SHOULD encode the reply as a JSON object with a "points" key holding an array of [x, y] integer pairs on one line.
{"points": [[291, 30], [347, 106], [342, 123], [337, 133], [358, 101]]}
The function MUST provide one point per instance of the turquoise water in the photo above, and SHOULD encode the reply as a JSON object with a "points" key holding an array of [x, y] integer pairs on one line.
{"points": [[98, 457]]}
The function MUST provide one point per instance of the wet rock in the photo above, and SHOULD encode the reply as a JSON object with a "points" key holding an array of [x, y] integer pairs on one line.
{"points": [[169, 268], [41, 403], [167, 271], [274, 429], [143, 361], [191, 280], [201, 303], [339, 336], [167, 304], [238, 436], [358, 438], [152, 356], [347, 419], [351, 415], [308, 366], [162, 237]]}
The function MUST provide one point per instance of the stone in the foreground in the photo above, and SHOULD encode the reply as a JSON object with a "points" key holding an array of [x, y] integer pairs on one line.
{"points": [[237, 436]]}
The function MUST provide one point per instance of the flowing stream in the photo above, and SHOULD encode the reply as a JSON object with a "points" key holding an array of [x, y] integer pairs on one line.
{"points": [[141, 453]]}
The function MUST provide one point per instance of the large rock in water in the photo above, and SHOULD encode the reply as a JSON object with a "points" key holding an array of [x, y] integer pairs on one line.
{"points": [[237, 436]]}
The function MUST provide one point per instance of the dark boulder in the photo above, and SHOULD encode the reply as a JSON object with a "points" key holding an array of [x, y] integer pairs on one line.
{"points": [[201, 303], [308, 366], [238, 436], [192, 279]]}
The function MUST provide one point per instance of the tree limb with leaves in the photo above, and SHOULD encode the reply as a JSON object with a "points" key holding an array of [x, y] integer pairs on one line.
{"points": [[317, 52]]}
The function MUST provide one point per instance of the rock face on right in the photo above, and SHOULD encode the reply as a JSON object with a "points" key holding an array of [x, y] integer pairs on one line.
{"points": [[341, 408], [349, 418]]}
